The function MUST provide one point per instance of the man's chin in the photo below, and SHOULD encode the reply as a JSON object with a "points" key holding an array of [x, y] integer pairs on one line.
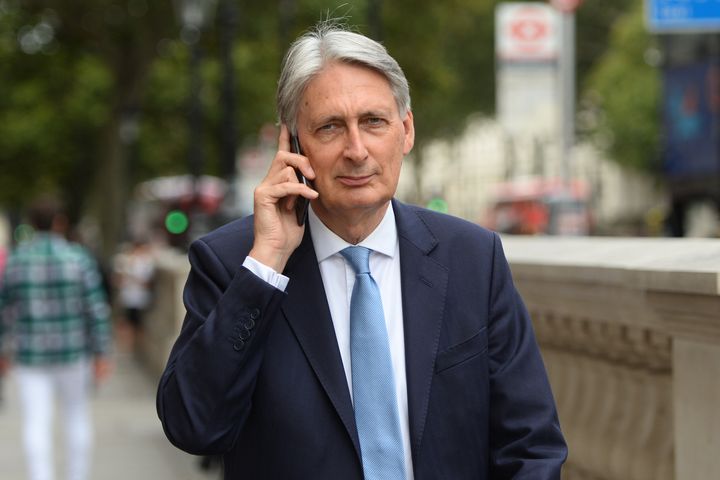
{"points": [[353, 205], [366, 202]]}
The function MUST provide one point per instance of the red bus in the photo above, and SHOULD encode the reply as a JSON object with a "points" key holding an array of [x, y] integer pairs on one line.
{"points": [[536, 206]]}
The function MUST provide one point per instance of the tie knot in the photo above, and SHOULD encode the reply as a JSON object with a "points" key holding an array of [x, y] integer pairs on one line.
{"points": [[359, 258]]}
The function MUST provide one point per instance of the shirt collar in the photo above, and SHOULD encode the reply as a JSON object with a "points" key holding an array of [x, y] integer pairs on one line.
{"points": [[327, 243]]}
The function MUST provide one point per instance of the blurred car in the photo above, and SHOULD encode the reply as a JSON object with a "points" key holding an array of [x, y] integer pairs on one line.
{"points": [[536, 206]]}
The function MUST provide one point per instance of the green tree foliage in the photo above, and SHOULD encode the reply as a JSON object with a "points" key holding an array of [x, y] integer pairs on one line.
{"points": [[75, 74], [622, 95], [448, 57], [595, 21], [76, 70], [53, 104]]}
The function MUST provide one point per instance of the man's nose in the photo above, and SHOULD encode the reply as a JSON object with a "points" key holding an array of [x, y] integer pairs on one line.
{"points": [[355, 149]]}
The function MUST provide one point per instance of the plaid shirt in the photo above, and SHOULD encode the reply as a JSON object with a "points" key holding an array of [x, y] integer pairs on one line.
{"points": [[53, 307]]}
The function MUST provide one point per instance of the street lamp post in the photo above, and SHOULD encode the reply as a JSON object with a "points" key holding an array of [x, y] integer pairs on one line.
{"points": [[567, 10], [227, 24], [194, 15]]}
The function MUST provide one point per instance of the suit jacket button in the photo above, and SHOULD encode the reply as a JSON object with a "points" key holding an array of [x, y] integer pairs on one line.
{"points": [[250, 324], [254, 313], [244, 335], [238, 346]]}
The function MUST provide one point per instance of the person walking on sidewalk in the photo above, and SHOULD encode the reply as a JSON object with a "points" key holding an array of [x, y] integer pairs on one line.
{"points": [[134, 272], [54, 321]]}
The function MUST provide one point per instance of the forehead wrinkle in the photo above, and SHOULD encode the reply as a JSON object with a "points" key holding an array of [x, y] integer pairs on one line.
{"points": [[344, 109], [343, 101]]}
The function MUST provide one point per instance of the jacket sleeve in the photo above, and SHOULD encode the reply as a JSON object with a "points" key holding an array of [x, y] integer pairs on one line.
{"points": [[205, 392], [525, 437]]}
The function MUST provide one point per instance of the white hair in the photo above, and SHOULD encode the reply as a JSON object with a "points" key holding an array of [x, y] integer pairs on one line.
{"points": [[327, 43]]}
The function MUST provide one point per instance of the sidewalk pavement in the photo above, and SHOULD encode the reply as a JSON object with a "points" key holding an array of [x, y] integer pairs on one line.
{"points": [[128, 439]]}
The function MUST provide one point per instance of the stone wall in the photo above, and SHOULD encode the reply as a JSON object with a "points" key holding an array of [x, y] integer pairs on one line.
{"points": [[630, 334], [165, 318]]}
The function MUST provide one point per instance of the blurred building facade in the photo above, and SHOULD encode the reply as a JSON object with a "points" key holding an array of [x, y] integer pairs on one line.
{"points": [[465, 171], [525, 164]]}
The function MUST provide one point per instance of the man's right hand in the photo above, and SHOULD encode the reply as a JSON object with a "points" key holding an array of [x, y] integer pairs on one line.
{"points": [[277, 233]]}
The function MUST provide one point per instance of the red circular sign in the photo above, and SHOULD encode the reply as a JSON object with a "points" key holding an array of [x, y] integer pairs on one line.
{"points": [[528, 29], [566, 6]]}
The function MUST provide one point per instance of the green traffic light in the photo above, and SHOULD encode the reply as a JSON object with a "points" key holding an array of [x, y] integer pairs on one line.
{"points": [[176, 222], [438, 204]]}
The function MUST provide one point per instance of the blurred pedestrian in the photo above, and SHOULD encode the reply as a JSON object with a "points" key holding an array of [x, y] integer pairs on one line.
{"points": [[56, 327], [134, 275]]}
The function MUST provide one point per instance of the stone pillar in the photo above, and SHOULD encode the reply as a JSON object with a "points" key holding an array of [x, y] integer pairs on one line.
{"points": [[696, 392]]}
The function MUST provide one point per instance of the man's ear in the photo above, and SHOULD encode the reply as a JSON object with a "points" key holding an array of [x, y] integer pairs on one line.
{"points": [[409, 126]]}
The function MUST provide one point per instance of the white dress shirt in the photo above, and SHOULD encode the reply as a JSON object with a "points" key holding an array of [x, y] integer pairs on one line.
{"points": [[339, 278]]}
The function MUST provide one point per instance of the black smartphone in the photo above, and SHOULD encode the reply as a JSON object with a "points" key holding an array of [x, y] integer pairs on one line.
{"points": [[301, 203]]}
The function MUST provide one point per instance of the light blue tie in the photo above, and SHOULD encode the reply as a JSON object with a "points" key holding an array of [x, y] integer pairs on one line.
{"points": [[373, 384]]}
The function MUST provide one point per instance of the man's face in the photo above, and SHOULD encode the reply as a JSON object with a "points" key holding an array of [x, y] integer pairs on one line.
{"points": [[351, 130]]}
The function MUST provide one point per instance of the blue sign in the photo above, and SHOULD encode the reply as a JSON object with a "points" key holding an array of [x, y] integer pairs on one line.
{"points": [[683, 15], [691, 114]]}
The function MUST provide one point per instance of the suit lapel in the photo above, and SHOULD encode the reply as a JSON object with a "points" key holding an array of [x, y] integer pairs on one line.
{"points": [[424, 288], [424, 284], [308, 314]]}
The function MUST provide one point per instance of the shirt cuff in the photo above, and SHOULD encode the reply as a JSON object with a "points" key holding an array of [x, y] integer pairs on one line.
{"points": [[277, 280]]}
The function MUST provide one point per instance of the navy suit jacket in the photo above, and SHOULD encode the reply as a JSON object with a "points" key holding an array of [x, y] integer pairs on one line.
{"points": [[256, 376]]}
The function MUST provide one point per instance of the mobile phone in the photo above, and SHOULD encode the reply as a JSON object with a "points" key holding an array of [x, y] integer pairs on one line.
{"points": [[301, 203]]}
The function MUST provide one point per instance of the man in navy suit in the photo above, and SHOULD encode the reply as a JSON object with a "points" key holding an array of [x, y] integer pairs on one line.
{"points": [[261, 370]]}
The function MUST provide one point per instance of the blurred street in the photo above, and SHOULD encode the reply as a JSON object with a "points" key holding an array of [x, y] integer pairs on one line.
{"points": [[129, 442]]}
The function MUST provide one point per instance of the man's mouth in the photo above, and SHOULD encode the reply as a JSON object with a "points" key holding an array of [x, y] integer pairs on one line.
{"points": [[355, 180]]}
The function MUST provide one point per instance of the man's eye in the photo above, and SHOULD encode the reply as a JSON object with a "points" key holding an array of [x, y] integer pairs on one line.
{"points": [[375, 121]]}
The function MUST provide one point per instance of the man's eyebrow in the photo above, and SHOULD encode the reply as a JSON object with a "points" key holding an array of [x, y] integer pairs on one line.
{"points": [[328, 119], [332, 118], [375, 113]]}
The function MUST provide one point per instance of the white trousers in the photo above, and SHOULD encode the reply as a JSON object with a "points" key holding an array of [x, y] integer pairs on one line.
{"points": [[39, 388]]}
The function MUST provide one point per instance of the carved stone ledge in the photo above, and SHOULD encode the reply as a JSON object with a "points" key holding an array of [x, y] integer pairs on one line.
{"points": [[629, 346]]}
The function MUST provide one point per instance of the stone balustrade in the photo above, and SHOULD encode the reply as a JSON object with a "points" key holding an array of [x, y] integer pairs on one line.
{"points": [[630, 334], [165, 317]]}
